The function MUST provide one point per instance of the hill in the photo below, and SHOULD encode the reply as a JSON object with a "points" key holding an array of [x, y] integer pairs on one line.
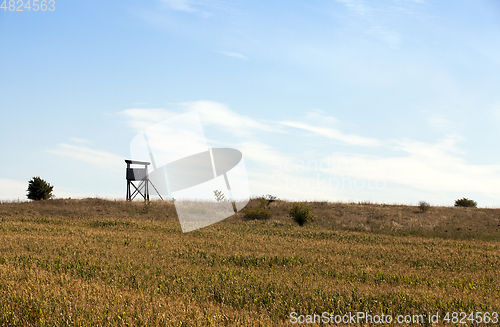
{"points": [[444, 222], [114, 263]]}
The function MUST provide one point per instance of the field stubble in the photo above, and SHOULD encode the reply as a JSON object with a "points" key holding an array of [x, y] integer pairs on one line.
{"points": [[94, 262]]}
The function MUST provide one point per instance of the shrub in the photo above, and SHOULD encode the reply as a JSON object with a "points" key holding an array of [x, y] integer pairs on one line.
{"points": [[270, 199], [424, 206], [301, 213], [465, 203], [38, 189], [258, 213]]}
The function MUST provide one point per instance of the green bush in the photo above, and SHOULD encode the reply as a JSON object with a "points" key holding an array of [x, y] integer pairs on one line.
{"points": [[465, 203], [38, 189], [258, 213], [262, 212], [424, 206], [301, 213]]}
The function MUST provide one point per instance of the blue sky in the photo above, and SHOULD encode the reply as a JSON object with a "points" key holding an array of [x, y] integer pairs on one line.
{"points": [[386, 101]]}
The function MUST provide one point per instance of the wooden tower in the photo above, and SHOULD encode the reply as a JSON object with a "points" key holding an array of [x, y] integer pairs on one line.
{"points": [[137, 175]]}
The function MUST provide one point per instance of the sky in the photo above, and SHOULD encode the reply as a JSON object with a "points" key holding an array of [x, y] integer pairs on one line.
{"points": [[391, 101]]}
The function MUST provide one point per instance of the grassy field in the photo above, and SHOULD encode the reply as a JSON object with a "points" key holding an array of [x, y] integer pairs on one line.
{"points": [[93, 262]]}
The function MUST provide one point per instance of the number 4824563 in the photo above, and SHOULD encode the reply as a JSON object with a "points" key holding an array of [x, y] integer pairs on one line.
{"points": [[35, 5]]}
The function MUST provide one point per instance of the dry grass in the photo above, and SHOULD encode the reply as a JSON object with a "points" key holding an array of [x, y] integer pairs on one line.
{"points": [[444, 222], [110, 263]]}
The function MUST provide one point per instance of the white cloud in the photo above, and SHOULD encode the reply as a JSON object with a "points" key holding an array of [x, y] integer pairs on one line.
{"points": [[265, 155], [220, 115], [319, 115], [233, 55], [288, 186], [140, 119], [416, 166], [375, 20], [97, 157], [357, 6], [334, 134], [425, 150], [204, 8], [430, 167], [439, 123], [211, 113], [12, 190]]}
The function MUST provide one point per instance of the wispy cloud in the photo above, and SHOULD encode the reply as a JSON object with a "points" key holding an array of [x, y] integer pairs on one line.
{"points": [[233, 55], [358, 7], [221, 115], [318, 122], [409, 164], [334, 134], [318, 115], [438, 122], [97, 157], [375, 21], [13, 189], [211, 113], [265, 155], [430, 167], [204, 8], [139, 119]]}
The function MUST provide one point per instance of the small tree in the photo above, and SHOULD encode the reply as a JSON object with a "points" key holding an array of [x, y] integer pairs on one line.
{"points": [[424, 206], [270, 199], [464, 202], [301, 213], [38, 189]]}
